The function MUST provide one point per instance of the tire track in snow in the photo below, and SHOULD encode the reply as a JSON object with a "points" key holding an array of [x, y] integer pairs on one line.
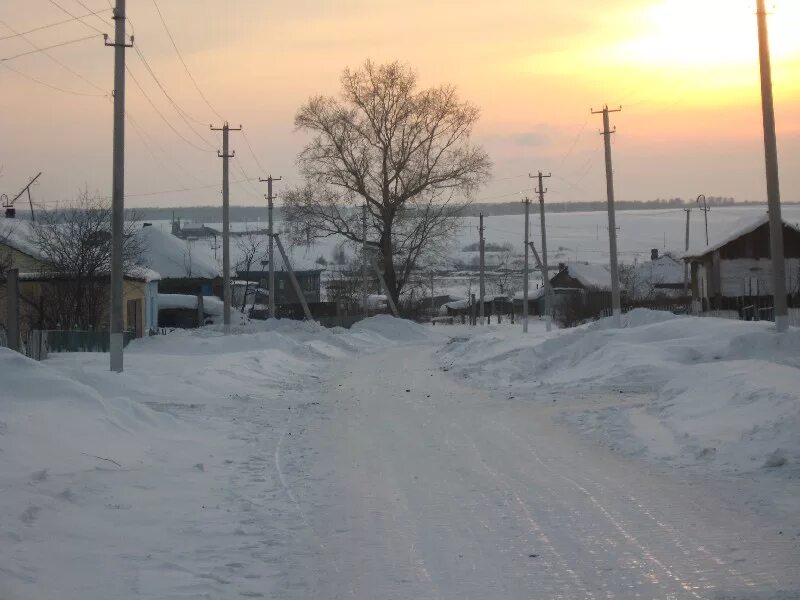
{"points": [[646, 553]]}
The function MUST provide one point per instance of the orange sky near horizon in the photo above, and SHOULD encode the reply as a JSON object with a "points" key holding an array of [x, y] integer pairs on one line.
{"points": [[685, 72]]}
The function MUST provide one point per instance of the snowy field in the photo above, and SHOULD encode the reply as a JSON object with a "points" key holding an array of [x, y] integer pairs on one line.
{"points": [[572, 236], [395, 460]]}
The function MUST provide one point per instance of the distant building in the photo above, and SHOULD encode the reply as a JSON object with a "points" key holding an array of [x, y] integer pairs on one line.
{"points": [[192, 231], [735, 272]]}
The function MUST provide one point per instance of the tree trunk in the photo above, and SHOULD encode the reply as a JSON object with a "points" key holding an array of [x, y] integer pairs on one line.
{"points": [[389, 273]]}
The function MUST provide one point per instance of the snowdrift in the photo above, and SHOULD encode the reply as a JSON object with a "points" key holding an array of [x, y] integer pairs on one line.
{"points": [[723, 392]]}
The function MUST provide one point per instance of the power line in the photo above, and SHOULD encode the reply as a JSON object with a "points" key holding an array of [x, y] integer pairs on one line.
{"points": [[50, 85], [77, 18], [94, 13], [183, 62], [54, 59], [185, 116], [50, 25], [160, 114], [252, 152], [45, 48]]}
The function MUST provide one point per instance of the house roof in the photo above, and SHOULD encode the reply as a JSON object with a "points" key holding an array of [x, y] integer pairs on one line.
{"points": [[174, 258], [596, 277], [17, 235], [742, 227]]}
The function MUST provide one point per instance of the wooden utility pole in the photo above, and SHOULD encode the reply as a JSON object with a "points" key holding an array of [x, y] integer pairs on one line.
{"points": [[271, 251], [295, 284], [482, 283], [548, 301], [616, 303], [527, 202], [226, 225], [686, 264], [117, 338], [540, 264], [433, 308], [12, 308], [773, 180], [364, 259], [705, 210]]}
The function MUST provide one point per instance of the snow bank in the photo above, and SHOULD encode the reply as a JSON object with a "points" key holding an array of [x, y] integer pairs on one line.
{"points": [[723, 391]]}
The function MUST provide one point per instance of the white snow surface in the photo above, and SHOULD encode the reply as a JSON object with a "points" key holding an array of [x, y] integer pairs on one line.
{"points": [[120, 485], [291, 461], [725, 392]]}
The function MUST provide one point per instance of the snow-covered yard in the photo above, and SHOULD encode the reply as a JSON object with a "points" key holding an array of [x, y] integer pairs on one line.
{"points": [[400, 461]]}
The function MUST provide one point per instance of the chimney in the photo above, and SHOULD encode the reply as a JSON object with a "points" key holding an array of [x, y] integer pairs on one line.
{"points": [[654, 254]]}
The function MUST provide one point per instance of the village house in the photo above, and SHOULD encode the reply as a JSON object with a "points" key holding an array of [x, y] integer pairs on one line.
{"points": [[184, 267], [734, 273], [41, 289]]}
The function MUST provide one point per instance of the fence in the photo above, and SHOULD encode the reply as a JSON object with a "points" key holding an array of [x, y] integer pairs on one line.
{"points": [[83, 341]]}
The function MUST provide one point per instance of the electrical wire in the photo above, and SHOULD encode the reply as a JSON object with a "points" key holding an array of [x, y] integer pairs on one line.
{"points": [[55, 60], [160, 114], [183, 62], [93, 13], [252, 152], [77, 18], [181, 112], [42, 27], [45, 48], [50, 85]]}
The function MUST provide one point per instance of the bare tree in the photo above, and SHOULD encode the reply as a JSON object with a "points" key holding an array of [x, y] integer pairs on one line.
{"points": [[252, 250], [405, 153], [75, 247]]}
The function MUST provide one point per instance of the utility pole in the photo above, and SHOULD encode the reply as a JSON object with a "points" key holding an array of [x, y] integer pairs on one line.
{"points": [[548, 301], [12, 308], [364, 268], [482, 284], [433, 310], [271, 251], [773, 181], [116, 341], [705, 210], [616, 303], [226, 225], [686, 264], [527, 202]]}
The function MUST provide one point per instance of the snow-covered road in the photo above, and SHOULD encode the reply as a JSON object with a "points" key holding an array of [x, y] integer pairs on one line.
{"points": [[410, 484]]}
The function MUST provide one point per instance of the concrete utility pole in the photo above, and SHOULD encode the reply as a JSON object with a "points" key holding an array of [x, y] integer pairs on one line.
{"points": [[226, 225], [705, 210], [12, 308], [482, 283], [364, 259], [686, 264], [773, 181], [548, 301], [525, 273], [116, 341], [271, 252], [616, 303]]}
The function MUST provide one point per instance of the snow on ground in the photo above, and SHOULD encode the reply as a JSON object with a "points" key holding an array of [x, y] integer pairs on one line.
{"points": [[156, 483], [720, 394]]}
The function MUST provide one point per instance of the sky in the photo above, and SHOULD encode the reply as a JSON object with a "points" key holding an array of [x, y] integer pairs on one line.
{"points": [[684, 71]]}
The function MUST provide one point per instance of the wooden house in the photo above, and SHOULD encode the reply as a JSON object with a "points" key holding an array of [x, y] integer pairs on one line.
{"points": [[734, 273]]}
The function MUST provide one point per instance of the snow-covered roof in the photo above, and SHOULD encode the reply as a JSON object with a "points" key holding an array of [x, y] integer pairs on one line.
{"points": [[17, 234], [174, 258], [664, 269], [742, 227], [590, 276], [532, 294]]}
